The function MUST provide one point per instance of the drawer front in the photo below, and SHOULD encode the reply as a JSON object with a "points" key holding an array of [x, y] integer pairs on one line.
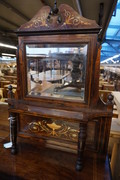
{"points": [[58, 132]]}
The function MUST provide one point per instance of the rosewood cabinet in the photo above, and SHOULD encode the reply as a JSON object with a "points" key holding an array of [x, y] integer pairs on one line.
{"points": [[57, 98]]}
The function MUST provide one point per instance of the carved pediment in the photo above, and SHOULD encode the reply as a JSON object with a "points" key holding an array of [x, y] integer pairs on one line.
{"points": [[66, 19]]}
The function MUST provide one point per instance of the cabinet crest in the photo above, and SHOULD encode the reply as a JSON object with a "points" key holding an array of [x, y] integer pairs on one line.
{"points": [[65, 19]]}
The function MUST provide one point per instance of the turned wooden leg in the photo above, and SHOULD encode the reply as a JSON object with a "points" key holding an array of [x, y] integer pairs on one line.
{"points": [[13, 124], [81, 145]]}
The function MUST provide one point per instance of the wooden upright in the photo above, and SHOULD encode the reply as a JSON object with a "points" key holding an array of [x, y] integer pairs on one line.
{"points": [[57, 98]]}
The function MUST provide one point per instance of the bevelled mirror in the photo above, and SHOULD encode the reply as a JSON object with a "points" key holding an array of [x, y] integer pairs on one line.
{"points": [[56, 70]]}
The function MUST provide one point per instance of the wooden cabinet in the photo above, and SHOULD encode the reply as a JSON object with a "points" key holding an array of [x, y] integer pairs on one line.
{"points": [[57, 96]]}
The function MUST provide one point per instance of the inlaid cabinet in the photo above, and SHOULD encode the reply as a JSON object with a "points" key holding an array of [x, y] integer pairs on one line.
{"points": [[57, 98]]}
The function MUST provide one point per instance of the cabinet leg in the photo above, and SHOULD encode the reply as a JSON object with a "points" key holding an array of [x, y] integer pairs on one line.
{"points": [[81, 145], [13, 125]]}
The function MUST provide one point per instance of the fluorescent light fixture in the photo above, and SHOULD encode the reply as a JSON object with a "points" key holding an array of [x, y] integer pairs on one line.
{"points": [[6, 54], [8, 46], [37, 55]]}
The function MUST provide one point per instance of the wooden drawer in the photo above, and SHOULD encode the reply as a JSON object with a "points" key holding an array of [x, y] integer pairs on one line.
{"points": [[59, 133]]}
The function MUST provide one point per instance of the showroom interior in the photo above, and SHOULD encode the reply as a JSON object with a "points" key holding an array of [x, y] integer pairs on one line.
{"points": [[59, 89]]}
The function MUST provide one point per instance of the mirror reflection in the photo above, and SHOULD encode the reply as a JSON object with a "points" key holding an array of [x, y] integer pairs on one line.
{"points": [[56, 70]]}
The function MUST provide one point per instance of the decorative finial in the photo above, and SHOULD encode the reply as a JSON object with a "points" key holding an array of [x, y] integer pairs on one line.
{"points": [[110, 102], [54, 11], [10, 92], [110, 99]]}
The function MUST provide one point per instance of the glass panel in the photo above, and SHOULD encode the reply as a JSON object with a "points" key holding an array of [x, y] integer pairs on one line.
{"points": [[56, 70], [111, 32], [112, 39]]}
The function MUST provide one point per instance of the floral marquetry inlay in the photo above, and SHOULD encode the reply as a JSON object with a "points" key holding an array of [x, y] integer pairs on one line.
{"points": [[38, 21], [70, 19], [54, 128], [74, 20]]}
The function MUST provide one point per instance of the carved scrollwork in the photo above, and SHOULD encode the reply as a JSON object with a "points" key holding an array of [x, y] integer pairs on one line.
{"points": [[38, 21], [74, 20], [70, 19], [34, 127]]}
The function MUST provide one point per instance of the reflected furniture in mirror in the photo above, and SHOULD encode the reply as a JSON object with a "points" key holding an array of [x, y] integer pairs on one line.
{"points": [[57, 97], [59, 71]]}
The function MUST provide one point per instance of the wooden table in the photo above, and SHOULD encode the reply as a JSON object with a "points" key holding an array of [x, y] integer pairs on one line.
{"points": [[53, 76], [1, 92], [115, 126], [13, 85], [116, 95], [3, 83], [109, 87], [36, 162]]}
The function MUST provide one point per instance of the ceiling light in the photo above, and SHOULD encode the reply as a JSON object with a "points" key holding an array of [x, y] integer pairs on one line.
{"points": [[6, 54], [8, 46]]}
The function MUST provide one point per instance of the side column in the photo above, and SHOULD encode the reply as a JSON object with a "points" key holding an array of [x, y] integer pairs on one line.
{"points": [[13, 121], [13, 126], [81, 145]]}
